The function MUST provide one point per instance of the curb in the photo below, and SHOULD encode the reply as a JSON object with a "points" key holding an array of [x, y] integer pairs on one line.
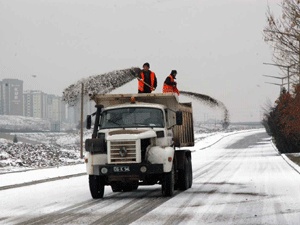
{"points": [[275, 148], [285, 158], [291, 163]]}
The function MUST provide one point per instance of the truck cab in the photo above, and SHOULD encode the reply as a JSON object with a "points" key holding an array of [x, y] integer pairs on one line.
{"points": [[134, 143]]}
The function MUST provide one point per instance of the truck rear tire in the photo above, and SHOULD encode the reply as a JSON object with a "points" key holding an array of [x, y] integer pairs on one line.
{"points": [[190, 172], [168, 183], [96, 186], [184, 176]]}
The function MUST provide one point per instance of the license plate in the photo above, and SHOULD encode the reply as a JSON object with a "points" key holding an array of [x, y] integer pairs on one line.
{"points": [[119, 169]]}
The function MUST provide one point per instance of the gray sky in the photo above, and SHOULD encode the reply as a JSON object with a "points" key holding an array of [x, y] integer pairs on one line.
{"points": [[216, 45]]}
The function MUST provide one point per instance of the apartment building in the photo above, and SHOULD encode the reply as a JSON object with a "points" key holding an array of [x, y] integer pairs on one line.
{"points": [[12, 97]]}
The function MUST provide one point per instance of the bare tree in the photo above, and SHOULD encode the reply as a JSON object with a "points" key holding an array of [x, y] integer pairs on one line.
{"points": [[283, 34]]}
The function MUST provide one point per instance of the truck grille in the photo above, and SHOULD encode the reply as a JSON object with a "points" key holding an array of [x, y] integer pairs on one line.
{"points": [[116, 146]]}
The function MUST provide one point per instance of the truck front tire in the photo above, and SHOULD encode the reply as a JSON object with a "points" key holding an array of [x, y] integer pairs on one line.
{"points": [[96, 186], [168, 183]]}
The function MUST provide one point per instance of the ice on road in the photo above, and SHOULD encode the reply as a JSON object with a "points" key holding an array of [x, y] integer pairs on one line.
{"points": [[240, 179]]}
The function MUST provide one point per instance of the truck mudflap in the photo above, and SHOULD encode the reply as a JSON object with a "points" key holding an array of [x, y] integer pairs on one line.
{"points": [[140, 169]]}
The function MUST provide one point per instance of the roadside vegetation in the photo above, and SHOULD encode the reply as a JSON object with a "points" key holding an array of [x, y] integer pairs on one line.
{"points": [[282, 121]]}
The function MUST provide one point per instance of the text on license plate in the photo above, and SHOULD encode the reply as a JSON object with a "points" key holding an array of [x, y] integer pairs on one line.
{"points": [[121, 169]]}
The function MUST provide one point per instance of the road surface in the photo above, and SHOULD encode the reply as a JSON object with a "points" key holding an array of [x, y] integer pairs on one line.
{"points": [[239, 180]]}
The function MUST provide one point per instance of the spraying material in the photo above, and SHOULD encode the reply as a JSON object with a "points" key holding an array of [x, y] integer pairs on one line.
{"points": [[105, 83], [99, 84], [210, 102]]}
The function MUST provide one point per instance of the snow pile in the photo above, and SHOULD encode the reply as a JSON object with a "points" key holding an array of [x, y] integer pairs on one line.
{"points": [[21, 123], [3, 141], [35, 156], [99, 84]]}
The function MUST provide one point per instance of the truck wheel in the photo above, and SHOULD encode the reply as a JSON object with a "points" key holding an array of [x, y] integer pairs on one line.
{"points": [[96, 186], [184, 176], [190, 172], [168, 183]]}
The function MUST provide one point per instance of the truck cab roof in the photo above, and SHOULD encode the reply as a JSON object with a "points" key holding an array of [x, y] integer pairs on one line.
{"points": [[137, 104]]}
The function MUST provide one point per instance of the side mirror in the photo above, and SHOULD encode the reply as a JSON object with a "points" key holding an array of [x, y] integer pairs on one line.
{"points": [[179, 118], [88, 122]]}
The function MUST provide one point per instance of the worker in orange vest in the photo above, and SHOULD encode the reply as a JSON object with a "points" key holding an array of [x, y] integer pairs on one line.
{"points": [[147, 80], [170, 85]]}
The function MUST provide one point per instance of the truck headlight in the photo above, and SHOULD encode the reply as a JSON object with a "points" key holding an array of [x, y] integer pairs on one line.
{"points": [[143, 169], [104, 170]]}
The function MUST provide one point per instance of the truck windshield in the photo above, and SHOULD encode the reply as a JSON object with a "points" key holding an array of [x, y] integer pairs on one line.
{"points": [[132, 117]]}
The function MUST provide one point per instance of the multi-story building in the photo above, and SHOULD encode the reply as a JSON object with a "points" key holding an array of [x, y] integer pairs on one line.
{"points": [[12, 95], [13, 101], [39, 104], [1, 99], [27, 104], [53, 108], [74, 112]]}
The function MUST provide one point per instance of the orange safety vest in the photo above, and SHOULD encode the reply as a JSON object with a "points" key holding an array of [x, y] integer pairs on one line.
{"points": [[169, 88], [141, 83]]}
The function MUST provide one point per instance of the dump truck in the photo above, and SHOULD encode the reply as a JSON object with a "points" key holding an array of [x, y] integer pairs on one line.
{"points": [[139, 139]]}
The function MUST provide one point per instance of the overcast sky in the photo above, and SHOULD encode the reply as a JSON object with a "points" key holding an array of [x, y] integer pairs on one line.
{"points": [[216, 45]]}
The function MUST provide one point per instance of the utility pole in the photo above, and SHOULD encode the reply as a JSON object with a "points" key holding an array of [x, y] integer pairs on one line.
{"points": [[299, 59], [81, 123], [288, 71], [297, 38], [281, 78]]}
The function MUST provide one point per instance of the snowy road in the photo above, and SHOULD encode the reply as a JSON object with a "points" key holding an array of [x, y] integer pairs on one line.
{"points": [[239, 180]]}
